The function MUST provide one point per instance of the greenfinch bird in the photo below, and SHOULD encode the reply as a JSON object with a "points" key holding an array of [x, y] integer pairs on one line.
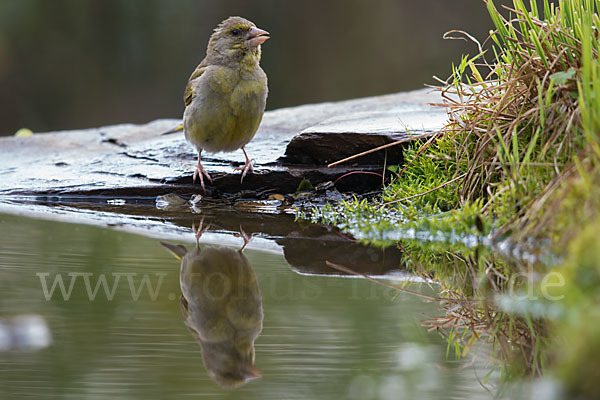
{"points": [[222, 307], [226, 95]]}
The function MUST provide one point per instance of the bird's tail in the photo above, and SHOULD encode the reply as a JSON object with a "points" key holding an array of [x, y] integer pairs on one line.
{"points": [[178, 250], [179, 128]]}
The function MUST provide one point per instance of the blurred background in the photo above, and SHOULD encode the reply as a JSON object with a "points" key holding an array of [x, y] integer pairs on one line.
{"points": [[68, 64]]}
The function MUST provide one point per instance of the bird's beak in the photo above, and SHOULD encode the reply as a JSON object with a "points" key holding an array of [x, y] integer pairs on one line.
{"points": [[252, 372], [256, 37]]}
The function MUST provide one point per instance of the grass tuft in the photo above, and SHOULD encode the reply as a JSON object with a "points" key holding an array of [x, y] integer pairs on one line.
{"points": [[519, 162], [522, 122]]}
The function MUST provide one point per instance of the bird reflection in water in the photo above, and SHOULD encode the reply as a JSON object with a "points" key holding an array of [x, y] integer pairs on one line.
{"points": [[222, 307]]}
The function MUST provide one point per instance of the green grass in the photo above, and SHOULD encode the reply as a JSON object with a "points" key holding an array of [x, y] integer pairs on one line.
{"points": [[522, 129], [519, 162]]}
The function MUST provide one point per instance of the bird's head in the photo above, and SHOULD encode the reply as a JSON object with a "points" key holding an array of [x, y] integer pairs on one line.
{"points": [[234, 39]]}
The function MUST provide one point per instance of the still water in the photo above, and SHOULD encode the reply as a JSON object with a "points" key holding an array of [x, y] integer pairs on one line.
{"points": [[315, 336]]}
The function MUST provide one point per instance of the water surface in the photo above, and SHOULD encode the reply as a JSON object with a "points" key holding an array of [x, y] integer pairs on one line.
{"points": [[323, 337]]}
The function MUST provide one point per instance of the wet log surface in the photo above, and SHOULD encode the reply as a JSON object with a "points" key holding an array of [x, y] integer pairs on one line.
{"points": [[292, 144], [136, 178]]}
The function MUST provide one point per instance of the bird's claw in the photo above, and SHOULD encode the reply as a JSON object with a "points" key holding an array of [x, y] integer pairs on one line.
{"points": [[200, 231], [248, 167], [201, 173], [244, 236]]}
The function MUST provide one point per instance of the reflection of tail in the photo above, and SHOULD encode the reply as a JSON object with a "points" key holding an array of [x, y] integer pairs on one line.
{"points": [[179, 128], [178, 250]]}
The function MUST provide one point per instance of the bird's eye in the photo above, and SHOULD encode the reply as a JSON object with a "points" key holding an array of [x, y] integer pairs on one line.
{"points": [[235, 32]]}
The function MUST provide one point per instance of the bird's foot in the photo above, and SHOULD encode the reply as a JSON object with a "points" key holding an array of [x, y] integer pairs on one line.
{"points": [[201, 173], [248, 167], [200, 231], [244, 236]]}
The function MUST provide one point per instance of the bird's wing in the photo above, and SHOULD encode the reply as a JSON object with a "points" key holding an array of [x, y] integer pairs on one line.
{"points": [[189, 93]]}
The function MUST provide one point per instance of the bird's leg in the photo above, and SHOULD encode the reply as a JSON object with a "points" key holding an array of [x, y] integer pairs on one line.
{"points": [[244, 236], [201, 172], [247, 166], [200, 231]]}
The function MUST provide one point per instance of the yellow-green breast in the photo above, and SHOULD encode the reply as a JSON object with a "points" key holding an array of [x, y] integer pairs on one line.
{"points": [[226, 108]]}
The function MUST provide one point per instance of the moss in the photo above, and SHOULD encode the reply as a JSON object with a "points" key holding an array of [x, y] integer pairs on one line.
{"points": [[577, 342]]}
